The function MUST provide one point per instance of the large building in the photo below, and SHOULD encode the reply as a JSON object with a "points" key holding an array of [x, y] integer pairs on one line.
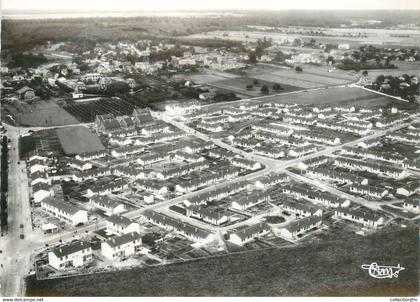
{"points": [[64, 211]]}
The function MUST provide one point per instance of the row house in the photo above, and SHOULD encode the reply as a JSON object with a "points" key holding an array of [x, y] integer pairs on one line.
{"points": [[36, 156], [300, 209], [405, 138], [158, 138], [122, 246], [272, 151], [409, 189], [341, 177], [308, 121], [359, 123], [344, 109], [312, 162], [238, 117], [369, 143], [251, 200], [120, 141], [79, 164], [245, 143], [382, 169], [271, 137], [91, 174], [391, 120], [343, 127], [40, 191], [181, 108], [108, 188], [273, 128], [211, 127], [249, 233], [171, 224], [301, 151], [119, 225], [245, 163], [197, 146], [233, 111], [297, 229], [412, 204], [108, 205], [384, 156], [158, 188], [155, 128], [364, 217], [371, 191], [192, 185], [75, 254], [188, 157], [318, 137], [411, 164], [180, 171], [219, 119], [207, 214], [40, 177], [132, 173], [413, 132], [270, 180], [64, 211], [321, 198], [122, 133], [86, 156], [151, 158], [37, 165], [126, 151], [221, 153]]}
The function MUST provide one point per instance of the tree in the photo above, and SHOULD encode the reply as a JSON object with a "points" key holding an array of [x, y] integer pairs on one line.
{"points": [[298, 69], [265, 89], [249, 87], [365, 73], [330, 59], [277, 87], [256, 82]]}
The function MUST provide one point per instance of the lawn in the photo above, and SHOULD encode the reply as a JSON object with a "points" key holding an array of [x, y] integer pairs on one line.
{"points": [[79, 139], [331, 267]]}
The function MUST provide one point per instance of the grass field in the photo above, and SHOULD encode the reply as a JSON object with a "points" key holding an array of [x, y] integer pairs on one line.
{"points": [[336, 95], [329, 268], [238, 85], [76, 140], [42, 114]]}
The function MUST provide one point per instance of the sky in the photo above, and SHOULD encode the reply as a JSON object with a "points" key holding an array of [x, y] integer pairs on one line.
{"points": [[173, 5]]}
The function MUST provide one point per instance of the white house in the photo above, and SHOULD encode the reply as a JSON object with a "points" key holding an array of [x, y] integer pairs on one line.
{"points": [[122, 246], [409, 189], [249, 233], [367, 219], [64, 211], [117, 224], [298, 228], [40, 191], [75, 254], [107, 204], [412, 205]]}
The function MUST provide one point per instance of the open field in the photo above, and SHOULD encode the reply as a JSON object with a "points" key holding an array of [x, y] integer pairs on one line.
{"points": [[238, 85], [334, 269], [410, 68], [75, 140], [42, 113], [86, 112], [336, 95]]}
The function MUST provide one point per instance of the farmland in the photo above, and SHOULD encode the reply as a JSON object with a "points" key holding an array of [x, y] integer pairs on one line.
{"points": [[270, 272], [75, 140], [86, 112]]}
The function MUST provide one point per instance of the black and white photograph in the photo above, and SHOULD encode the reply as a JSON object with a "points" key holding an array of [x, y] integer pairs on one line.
{"points": [[237, 149]]}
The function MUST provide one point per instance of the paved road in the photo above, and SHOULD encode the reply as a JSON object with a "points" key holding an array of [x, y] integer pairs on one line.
{"points": [[15, 257]]}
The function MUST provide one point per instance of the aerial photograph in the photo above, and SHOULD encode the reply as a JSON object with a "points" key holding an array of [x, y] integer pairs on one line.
{"points": [[179, 148]]}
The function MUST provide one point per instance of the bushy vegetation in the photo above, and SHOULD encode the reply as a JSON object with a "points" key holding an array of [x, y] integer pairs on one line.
{"points": [[4, 185]]}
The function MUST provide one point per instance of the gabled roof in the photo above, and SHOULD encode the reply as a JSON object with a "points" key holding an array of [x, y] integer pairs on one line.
{"points": [[61, 205], [120, 220], [250, 231], [123, 239], [24, 89], [70, 248], [303, 223]]}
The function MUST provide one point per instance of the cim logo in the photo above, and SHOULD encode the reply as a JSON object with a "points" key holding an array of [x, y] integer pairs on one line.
{"points": [[382, 271]]}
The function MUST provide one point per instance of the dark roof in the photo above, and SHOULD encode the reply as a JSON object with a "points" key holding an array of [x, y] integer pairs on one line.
{"points": [[120, 220], [303, 223], [123, 239], [24, 89], [250, 231], [40, 186], [71, 248], [62, 205]]}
